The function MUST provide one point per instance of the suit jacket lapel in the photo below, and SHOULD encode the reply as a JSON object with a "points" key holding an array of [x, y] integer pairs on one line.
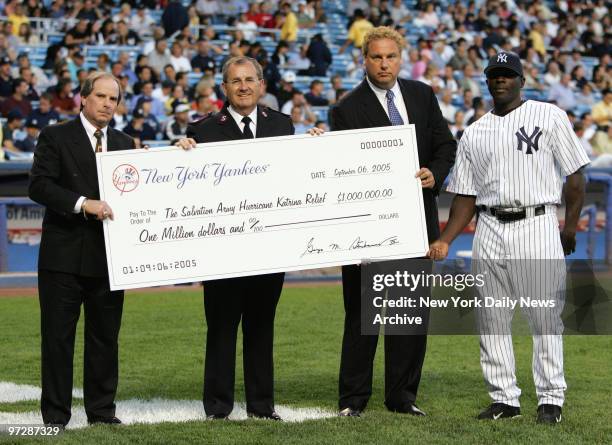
{"points": [[227, 125], [81, 150], [411, 107], [371, 107], [263, 123]]}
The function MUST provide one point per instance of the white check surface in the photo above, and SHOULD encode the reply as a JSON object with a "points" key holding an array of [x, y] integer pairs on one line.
{"points": [[259, 206]]}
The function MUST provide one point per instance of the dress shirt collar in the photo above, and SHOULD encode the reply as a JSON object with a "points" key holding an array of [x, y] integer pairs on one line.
{"points": [[380, 93], [238, 118], [91, 129]]}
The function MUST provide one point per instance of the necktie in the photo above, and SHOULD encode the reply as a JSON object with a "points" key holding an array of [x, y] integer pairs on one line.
{"points": [[98, 135], [394, 115], [248, 134]]}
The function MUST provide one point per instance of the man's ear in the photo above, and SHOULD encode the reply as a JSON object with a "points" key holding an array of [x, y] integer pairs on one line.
{"points": [[522, 81]]}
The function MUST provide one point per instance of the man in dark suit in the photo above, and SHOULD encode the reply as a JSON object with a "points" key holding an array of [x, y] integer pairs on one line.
{"points": [[252, 299], [381, 100], [72, 261]]}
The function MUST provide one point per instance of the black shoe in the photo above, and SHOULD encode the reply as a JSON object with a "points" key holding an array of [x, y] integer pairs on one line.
{"points": [[349, 412], [106, 420], [272, 416], [60, 425], [500, 411], [549, 414], [411, 409], [216, 417]]}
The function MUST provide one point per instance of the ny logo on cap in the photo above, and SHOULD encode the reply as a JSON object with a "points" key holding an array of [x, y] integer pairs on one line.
{"points": [[502, 57], [531, 141]]}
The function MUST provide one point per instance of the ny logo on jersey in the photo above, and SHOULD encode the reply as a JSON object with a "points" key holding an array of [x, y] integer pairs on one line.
{"points": [[502, 58], [531, 141]]}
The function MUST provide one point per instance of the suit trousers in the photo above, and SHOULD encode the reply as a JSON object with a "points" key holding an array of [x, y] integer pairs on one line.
{"points": [[404, 356], [60, 297], [226, 302]]}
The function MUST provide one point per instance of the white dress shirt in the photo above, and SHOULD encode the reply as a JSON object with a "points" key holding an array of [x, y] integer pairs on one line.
{"points": [[90, 130], [398, 99], [238, 118]]}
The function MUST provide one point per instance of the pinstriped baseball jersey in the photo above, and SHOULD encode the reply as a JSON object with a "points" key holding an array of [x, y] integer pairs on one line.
{"points": [[517, 160]]}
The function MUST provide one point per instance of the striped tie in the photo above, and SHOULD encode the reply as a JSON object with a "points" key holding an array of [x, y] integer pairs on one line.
{"points": [[394, 115], [98, 134]]}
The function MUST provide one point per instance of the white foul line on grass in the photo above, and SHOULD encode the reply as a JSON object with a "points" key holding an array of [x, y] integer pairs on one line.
{"points": [[135, 411]]}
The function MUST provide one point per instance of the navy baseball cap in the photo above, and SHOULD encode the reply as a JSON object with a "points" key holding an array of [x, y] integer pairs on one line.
{"points": [[505, 60]]}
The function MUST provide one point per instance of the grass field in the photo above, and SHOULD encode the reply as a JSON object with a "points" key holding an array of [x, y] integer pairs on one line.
{"points": [[162, 344]]}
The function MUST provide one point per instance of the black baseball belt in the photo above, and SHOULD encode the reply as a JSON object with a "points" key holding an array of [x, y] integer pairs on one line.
{"points": [[511, 214]]}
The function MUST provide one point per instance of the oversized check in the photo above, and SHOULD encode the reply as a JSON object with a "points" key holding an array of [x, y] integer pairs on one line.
{"points": [[258, 206]]}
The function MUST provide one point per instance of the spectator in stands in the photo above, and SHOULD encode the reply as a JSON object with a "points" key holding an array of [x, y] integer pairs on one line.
{"points": [[442, 53], [169, 73], [160, 56], [460, 58], [448, 80], [532, 79], [248, 27], [305, 15], [299, 62], [179, 62], [28, 143], [458, 126], [319, 55], [106, 33], [446, 106], [602, 141], [177, 126], [17, 101], [45, 114], [286, 90], [145, 108], [268, 99], [163, 91], [87, 11], [563, 94], [207, 9], [174, 18], [146, 93], [103, 63], [75, 62], [41, 80], [139, 129], [315, 96], [6, 80], [336, 84], [142, 22], [585, 97], [579, 77], [298, 99], [204, 106], [357, 31], [468, 81], [124, 35], [400, 13], [18, 17], [280, 55], [63, 98], [177, 97], [204, 58], [553, 74], [14, 122], [431, 78], [124, 14], [288, 23], [354, 69], [25, 35], [145, 74], [27, 75], [80, 34], [297, 119], [602, 110]]}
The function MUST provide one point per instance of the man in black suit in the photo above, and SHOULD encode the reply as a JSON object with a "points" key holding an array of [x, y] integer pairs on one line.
{"points": [[381, 100], [72, 261], [252, 299]]}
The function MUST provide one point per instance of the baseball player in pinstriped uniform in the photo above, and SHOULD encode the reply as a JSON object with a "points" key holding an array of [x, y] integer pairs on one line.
{"points": [[510, 169]]}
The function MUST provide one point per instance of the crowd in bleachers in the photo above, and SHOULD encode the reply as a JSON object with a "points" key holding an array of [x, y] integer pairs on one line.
{"points": [[168, 55]]}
